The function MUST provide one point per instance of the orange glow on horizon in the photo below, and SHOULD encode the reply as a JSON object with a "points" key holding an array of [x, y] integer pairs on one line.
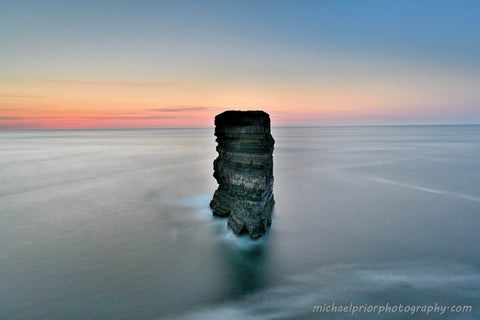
{"points": [[76, 104]]}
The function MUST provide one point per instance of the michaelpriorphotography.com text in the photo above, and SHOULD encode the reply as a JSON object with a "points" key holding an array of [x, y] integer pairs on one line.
{"points": [[391, 308]]}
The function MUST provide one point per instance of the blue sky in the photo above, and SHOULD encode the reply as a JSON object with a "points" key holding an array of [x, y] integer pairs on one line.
{"points": [[306, 62]]}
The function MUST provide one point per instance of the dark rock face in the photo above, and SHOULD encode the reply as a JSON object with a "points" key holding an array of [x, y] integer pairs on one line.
{"points": [[244, 171]]}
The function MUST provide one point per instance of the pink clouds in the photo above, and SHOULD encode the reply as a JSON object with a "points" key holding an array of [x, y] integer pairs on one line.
{"points": [[112, 83]]}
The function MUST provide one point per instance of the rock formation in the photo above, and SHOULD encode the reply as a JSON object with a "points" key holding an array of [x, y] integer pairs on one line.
{"points": [[244, 171]]}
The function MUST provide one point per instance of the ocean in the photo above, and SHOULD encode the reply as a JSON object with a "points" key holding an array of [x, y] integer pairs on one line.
{"points": [[115, 224]]}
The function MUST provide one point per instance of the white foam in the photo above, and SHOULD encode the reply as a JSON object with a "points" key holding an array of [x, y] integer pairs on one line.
{"points": [[242, 242], [202, 212], [295, 296], [451, 194]]}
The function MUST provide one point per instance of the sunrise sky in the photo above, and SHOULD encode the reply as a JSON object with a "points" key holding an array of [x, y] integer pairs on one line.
{"points": [[124, 64]]}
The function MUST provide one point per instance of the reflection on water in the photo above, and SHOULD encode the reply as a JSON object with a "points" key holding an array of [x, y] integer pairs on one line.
{"points": [[115, 224], [245, 260], [246, 270]]}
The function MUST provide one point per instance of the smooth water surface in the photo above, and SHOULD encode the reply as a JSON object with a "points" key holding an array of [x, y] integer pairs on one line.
{"points": [[115, 224]]}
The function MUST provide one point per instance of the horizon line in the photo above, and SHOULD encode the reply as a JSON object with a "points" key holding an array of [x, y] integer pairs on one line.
{"points": [[213, 127]]}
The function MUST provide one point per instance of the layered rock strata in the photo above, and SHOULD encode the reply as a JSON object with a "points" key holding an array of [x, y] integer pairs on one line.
{"points": [[244, 171]]}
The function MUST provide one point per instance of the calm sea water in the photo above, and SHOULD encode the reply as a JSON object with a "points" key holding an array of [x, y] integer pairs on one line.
{"points": [[115, 224]]}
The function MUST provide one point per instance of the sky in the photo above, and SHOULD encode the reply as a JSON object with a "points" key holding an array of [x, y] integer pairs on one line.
{"points": [[134, 64]]}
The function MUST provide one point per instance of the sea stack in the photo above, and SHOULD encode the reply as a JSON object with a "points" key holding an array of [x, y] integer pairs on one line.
{"points": [[244, 171]]}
